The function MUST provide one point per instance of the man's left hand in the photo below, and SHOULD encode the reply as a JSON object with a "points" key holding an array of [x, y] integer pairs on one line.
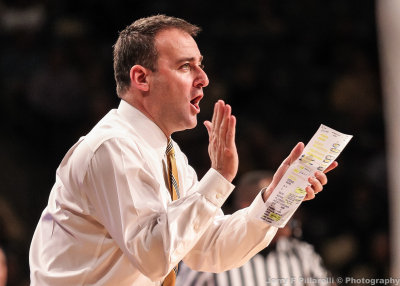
{"points": [[316, 182]]}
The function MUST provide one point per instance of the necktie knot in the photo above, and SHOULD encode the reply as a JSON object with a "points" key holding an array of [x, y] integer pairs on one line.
{"points": [[170, 148]]}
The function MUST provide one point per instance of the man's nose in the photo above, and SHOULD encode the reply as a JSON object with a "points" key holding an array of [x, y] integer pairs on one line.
{"points": [[201, 79]]}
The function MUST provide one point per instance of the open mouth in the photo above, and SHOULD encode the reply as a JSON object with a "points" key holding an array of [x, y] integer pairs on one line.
{"points": [[195, 101]]}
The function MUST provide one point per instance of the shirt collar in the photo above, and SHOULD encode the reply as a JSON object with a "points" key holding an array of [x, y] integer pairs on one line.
{"points": [[144, 126]]}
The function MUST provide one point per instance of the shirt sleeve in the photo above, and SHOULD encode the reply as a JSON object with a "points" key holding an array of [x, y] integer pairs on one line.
{"points": [[231, 240], [126, 196]]}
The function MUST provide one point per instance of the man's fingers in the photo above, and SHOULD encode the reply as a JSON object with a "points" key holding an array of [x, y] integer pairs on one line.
{"points": [[208, 126], [215, 112], [224, 122], [310, 193], [219, 113], [222, 148], [296, 152], [321, 177], [316, 184], [331, 166], [230, 133], [214, 123]]}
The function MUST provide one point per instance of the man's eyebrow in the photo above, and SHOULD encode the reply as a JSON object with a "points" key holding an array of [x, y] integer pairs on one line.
{"points": [[189, 59]]}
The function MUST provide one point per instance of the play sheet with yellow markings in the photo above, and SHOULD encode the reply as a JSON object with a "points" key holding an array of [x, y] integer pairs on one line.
{"points": [[323, 148]]}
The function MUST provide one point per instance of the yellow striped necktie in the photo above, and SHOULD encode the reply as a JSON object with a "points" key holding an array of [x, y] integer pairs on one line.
{"points": [[173, 181], [173, 185]]}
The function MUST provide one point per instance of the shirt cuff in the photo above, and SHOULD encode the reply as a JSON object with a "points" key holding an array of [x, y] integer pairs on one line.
{"points": [[257, 207], [215, 188]]}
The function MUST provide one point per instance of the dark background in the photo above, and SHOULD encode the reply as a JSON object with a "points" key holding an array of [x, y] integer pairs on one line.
{"points": [[284, 66]]}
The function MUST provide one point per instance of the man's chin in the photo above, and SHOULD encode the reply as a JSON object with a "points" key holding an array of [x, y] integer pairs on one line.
{"points": [[190, 125]]}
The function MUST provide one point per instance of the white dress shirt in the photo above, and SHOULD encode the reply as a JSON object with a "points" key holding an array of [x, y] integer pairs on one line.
{"points": [[110, 219]]}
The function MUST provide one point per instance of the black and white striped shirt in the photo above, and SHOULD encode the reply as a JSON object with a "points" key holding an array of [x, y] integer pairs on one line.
{"points": [[290, 262]]}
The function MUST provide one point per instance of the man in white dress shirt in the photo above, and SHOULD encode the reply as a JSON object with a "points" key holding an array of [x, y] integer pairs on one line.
{"points": [[110, 219]]}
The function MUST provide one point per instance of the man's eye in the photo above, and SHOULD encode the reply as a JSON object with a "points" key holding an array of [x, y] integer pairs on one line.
{"points": [[186, 66]]}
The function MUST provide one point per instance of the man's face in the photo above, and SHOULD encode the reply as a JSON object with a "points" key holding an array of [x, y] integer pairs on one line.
{"points": [[176, 88]]}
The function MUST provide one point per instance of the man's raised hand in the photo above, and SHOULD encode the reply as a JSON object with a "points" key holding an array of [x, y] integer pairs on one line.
{"points": [[222, 147]]}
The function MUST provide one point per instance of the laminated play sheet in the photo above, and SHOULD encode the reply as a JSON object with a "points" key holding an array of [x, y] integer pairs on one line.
{"points": [[323, 148]]}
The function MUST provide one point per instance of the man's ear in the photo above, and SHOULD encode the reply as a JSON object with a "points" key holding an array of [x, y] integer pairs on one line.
{"points": [[138, 75]]}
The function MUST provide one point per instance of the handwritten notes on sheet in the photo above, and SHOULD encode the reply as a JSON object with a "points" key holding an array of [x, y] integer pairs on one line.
{"points": [[323, 148]]}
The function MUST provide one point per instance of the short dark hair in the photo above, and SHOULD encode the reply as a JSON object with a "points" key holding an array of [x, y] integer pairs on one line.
{"points": [[135, 45]]}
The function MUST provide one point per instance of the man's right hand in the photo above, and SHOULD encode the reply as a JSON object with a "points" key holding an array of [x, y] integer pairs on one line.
{"points": [[222, 147]]}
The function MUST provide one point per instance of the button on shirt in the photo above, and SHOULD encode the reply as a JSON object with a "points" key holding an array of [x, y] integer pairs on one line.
{"points": [[110, 219]]}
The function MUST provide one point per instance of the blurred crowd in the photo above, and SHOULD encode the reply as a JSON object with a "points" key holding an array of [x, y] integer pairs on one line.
{"points": [[284, 66]]}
